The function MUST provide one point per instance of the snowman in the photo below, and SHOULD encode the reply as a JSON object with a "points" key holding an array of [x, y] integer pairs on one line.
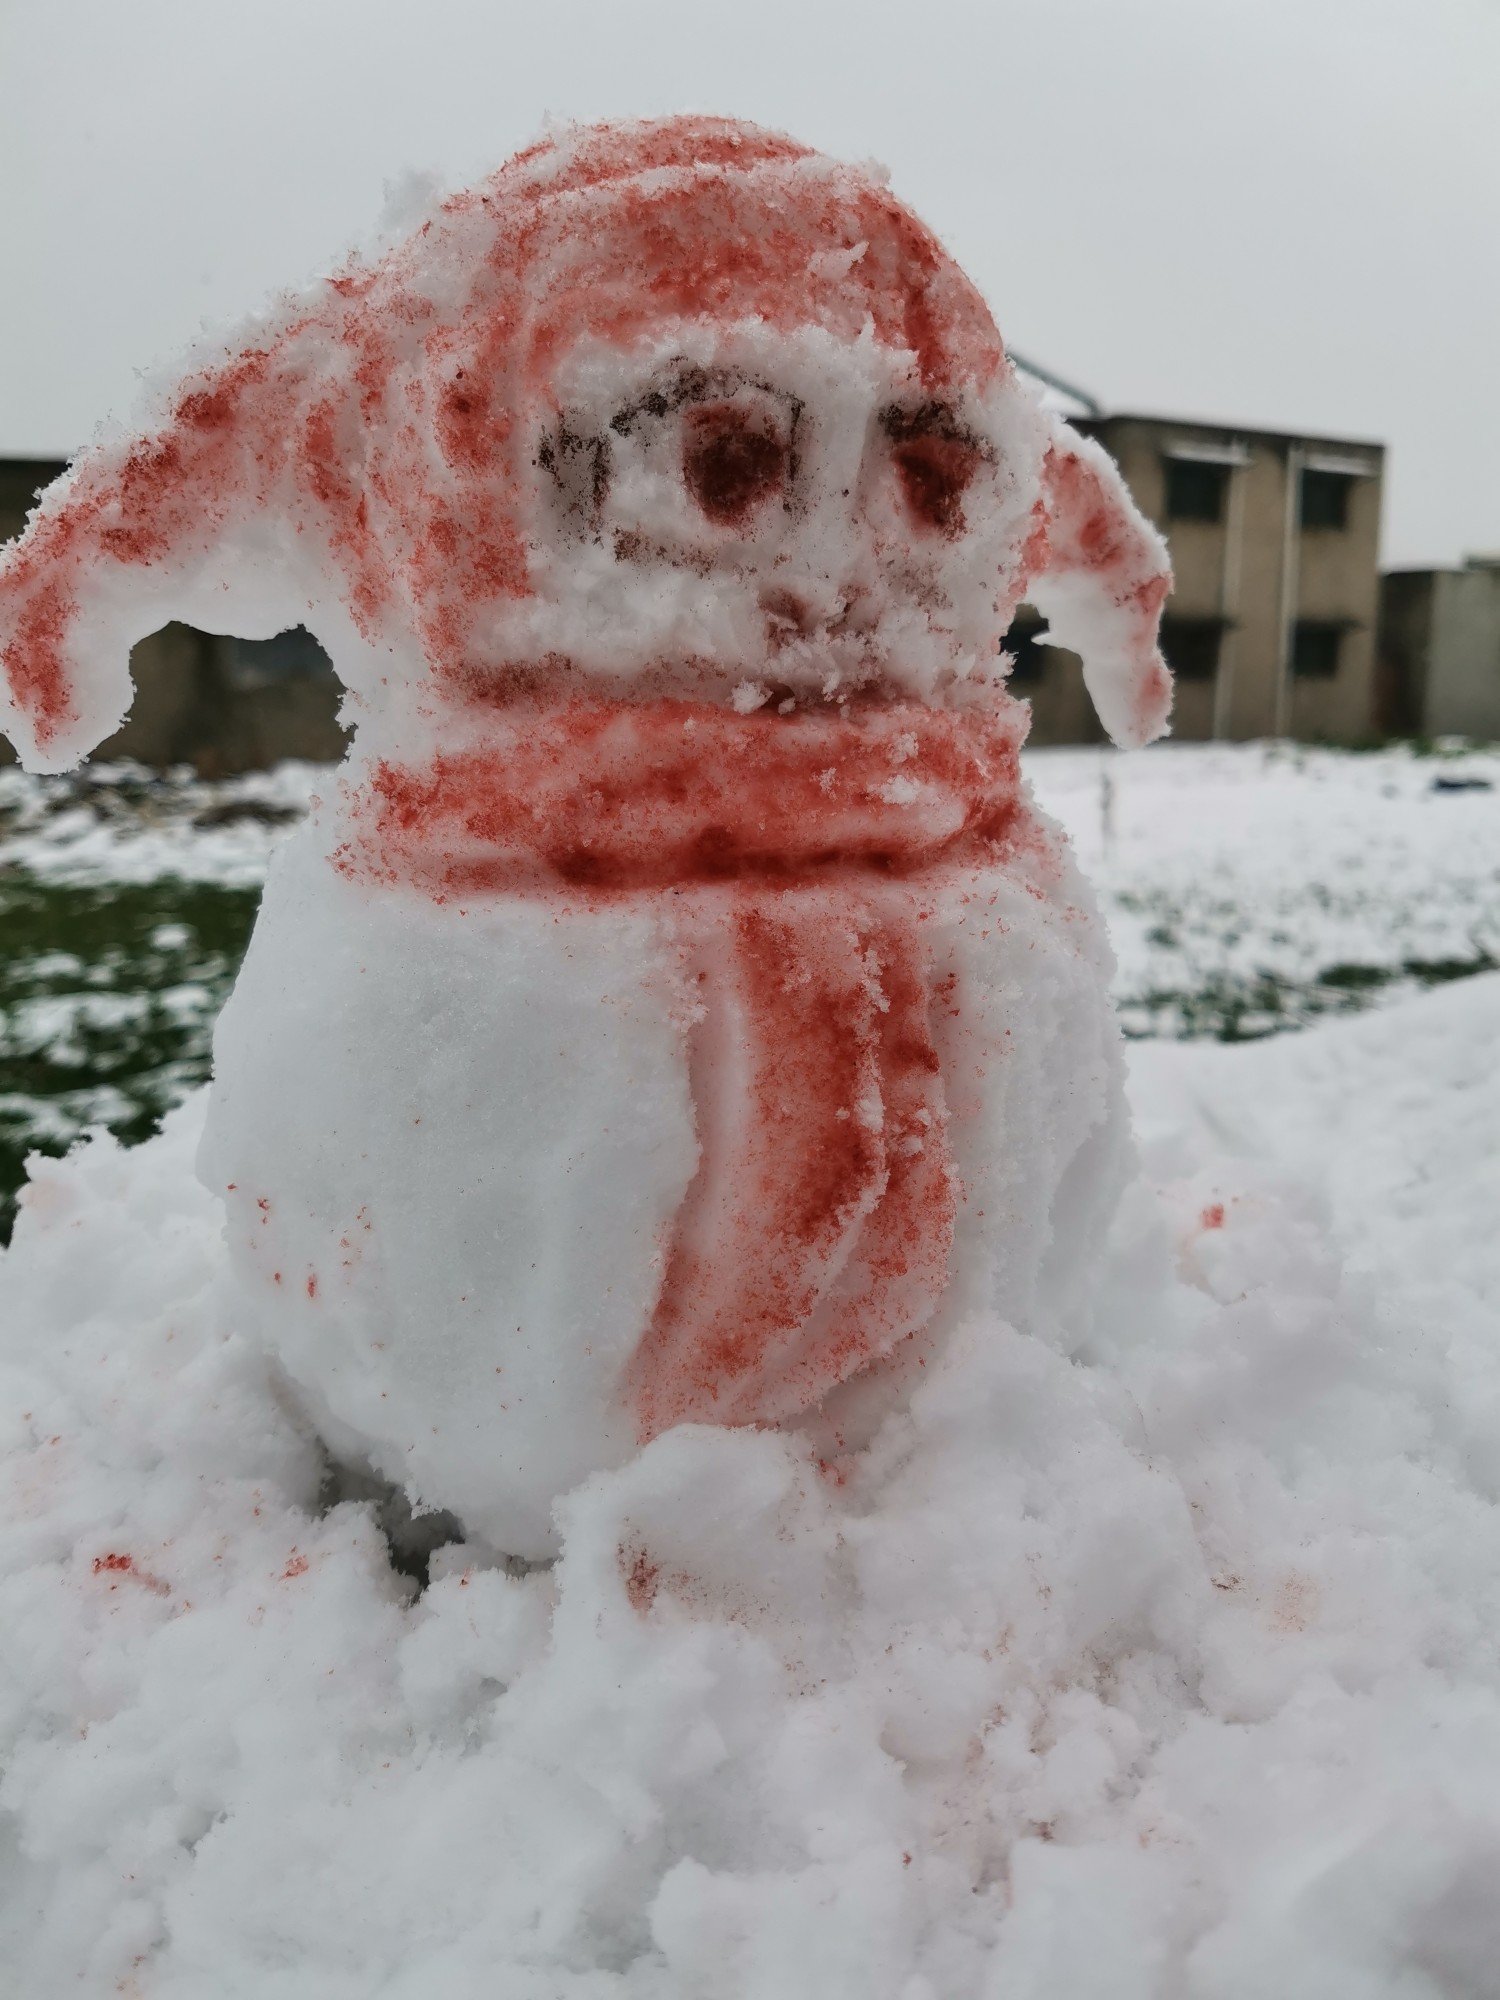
{"points": [[677, 1011]]}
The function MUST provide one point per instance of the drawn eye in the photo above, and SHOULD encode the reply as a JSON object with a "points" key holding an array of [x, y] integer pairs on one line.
{"points": [[935, 463], [733, 460]]}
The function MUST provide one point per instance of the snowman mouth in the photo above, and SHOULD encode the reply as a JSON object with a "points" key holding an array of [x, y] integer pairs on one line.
{"points": [[601, 799]]}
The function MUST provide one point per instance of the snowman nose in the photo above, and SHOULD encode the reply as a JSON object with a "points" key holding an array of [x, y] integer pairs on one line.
{"points": [[789, 613], [808, 610]]}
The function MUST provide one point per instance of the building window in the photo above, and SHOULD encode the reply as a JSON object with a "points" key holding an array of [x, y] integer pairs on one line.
{"points": [[1325, 499], [1190, 647], [1315, 649], [1030, 658], [1195, 490]]}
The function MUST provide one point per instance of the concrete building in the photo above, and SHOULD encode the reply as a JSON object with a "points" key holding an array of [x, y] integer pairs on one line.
{"points": [[1271, 628], [221, 705], [1440, 650]]}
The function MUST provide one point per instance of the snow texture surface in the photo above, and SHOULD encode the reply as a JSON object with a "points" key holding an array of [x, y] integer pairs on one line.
{"points": [[1162, 1667]]}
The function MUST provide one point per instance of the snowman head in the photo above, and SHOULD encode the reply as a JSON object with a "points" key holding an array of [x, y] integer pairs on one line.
{"points": [[668, 407]]}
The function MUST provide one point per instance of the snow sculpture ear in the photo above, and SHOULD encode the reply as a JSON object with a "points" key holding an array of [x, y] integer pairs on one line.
{"points": [[173, 523], [1103, 580]]}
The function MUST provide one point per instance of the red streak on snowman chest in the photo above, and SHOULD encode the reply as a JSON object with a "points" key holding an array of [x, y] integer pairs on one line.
{"points": [[793, 861]]}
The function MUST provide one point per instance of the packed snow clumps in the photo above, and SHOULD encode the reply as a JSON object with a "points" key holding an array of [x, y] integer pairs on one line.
{"points": [[679, 1010], [1165, 1667]]}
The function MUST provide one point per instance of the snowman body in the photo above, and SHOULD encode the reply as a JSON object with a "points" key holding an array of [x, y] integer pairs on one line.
{"points": [[679, 1012], [453, 1143]]}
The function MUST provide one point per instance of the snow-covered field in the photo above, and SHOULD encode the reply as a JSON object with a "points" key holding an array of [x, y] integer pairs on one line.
{"points": [[1256, 887], [1163, 1668]]}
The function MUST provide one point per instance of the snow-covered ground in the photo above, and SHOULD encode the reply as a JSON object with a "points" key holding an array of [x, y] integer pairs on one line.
{"points": [[1164, 1668], [119, 823], [1254, 887]]}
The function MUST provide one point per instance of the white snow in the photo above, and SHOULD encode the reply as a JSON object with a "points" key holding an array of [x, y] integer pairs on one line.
{"points": [[1167, 1667], [1256, 865], [120, 823]]}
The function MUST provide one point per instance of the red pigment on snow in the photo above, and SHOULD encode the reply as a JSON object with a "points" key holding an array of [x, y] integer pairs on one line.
{"points": [[732, 461], [935, 473], [123, 1565], [379, 420], [1212, 1216], [793, 857], [642, 1578], [605, 798], [296, 1566], [1090, 531]]}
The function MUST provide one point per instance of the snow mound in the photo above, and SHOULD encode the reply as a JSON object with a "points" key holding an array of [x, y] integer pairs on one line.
{"points": [[1164, 1666]]}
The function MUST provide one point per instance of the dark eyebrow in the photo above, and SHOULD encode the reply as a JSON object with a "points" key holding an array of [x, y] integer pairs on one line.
{"points": [[930, 419], [685, 382]]}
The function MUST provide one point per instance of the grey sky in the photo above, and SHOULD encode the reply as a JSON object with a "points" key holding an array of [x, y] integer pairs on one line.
{"points": [[1282, 212]]}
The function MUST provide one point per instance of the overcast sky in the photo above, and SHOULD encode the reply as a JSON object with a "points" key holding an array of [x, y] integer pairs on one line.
{"points": [[1283, 212]]}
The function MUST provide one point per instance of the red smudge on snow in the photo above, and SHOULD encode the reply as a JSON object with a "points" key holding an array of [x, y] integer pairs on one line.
{"points": [[312, 1284], [118, 1564], [794, 859], [297, 1565], [1212, 1216], [379, 421], [817, 1233], [642, 1578]]}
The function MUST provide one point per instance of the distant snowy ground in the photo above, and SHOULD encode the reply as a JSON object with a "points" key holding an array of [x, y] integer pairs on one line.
{"points": [[1167, 1667], [1254, 887]]}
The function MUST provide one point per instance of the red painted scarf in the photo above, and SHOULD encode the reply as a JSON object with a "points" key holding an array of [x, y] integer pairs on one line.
{"points": [[791, 856]]}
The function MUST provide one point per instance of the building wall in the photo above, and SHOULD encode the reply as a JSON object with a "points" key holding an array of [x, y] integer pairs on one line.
{"points": [[1463, 686], [1236, 570], [1440, 637], [1406, 601], [1339, 579]]}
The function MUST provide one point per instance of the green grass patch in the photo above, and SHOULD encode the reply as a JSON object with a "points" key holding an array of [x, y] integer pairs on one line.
{"points": [[108, 996]]}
